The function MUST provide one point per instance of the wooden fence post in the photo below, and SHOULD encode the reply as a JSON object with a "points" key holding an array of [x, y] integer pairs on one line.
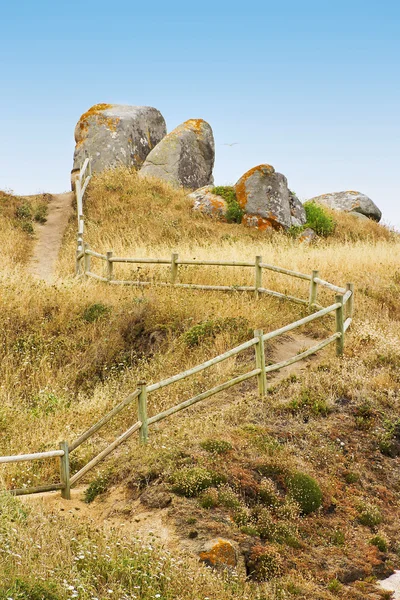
{"points": [[350, 301], [313, 289], [64, 471], [174, 267], [260, 362], [258, 275], [109, 266], [339, 325], [142, 413], [86, 259]]}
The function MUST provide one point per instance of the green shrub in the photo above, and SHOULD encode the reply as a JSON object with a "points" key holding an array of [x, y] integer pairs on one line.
{"points": [[379, 542], [234, 213], [216, 446], [305, 491], [24, 211], [369, 515], [96, 487], [41, 213], [191, 481], [94, 312], [318, 219]]}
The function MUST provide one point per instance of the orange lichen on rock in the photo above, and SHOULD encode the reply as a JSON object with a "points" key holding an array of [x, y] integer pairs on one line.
{"points": [[240, 187], [96, 111], [261, 223], [220, 554]]}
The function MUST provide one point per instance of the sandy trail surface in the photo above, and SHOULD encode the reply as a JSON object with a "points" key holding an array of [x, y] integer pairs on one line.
{"points": [[49, 237]]}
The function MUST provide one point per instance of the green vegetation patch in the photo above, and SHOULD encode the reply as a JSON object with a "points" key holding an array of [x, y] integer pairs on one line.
{"points": [[305, 491], [319, 220], [25, 590], [234, 213], [216, 446], [95, 311], [190, 482], [97, 486]]}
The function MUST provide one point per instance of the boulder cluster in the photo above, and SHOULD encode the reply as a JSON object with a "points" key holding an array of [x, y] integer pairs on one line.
{"points": [[136, 136]]}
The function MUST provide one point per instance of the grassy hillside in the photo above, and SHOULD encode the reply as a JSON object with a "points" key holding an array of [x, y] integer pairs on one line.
{"points": [[235, 466]]}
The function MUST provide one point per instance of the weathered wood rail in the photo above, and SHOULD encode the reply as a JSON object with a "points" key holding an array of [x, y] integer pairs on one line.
{"points": [[342, 308]]}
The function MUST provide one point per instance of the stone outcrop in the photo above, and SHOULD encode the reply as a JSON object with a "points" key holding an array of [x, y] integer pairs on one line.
{"points": [[350, 201], [297, 211], [264, 196], [219, 553], [206, 202], [185, 157], [113, 135]]}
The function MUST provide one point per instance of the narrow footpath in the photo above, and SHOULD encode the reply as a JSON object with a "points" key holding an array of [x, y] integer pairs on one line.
{"points": [[49, 237]]}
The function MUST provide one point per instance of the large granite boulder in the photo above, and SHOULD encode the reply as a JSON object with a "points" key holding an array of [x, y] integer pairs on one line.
{"points": [[113, 135], [185, 157], [350, 201], [264, 196], [297, 212], [206, 202]]}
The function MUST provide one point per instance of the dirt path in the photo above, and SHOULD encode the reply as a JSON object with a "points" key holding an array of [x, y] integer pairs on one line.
{"points": [[49, 237]]}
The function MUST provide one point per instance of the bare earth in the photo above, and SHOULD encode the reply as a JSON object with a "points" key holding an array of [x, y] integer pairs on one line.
{"points": [[49, 237]]}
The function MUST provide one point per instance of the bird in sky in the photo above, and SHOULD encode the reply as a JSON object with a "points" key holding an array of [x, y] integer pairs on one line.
{"points": [[234, 144]]}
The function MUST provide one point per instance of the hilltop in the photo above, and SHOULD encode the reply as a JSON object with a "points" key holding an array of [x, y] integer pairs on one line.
{"points": [[224, 469]]}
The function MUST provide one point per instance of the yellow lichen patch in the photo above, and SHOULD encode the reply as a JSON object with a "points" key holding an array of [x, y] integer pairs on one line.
{"points": [[222, 553], [195, 125], [95, 111], [240, 187]]}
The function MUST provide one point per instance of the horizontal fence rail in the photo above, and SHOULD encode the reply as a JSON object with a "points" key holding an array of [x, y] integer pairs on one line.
{"points": [[342, 308]]}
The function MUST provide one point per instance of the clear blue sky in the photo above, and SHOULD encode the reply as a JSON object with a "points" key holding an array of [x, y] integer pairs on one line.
{"points": [[311, 87]]}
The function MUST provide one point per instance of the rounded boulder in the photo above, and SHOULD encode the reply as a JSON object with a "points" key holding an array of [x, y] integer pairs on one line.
{"points": [[185, 157], [264, 196], [114, 134], [350, 201]]}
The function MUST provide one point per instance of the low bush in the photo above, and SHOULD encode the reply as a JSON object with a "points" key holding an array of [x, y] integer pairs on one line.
{"points": [[319, 220], [305, 491], [379, 542], [369, 515], [234, 213]]}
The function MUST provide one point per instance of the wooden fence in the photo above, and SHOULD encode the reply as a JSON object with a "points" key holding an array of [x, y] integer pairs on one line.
{"points": [[342, 308]]}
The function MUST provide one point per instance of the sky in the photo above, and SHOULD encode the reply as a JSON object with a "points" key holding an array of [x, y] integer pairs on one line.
{"points": [[311, 87]]}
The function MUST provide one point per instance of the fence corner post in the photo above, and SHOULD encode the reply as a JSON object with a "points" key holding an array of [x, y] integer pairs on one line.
{"points": [[64, 472], [142, 413], [110, 266], [86, 258], [174, 267], [339, 325], [260, 362], [350, 301], [313, 288], [258, 275]]}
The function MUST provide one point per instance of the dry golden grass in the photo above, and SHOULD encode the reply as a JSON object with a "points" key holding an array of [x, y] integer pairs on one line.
{"points": [[60, 372]]}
